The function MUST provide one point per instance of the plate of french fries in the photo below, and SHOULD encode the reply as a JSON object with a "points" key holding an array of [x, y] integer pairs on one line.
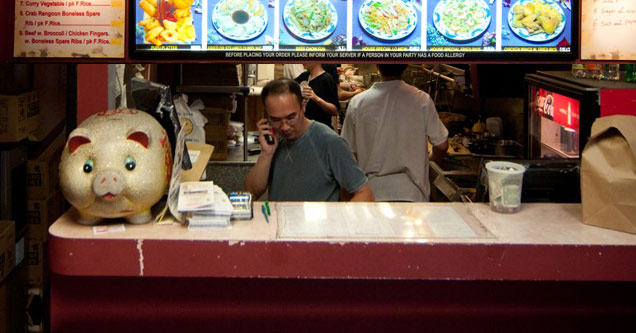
{"points": [[167, 21], [536, 20]]}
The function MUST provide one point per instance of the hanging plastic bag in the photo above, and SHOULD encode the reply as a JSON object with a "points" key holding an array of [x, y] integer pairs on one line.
{"points": [[191, 118]]}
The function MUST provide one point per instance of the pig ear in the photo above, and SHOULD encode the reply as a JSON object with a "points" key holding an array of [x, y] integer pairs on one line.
{"points": [[76, 141], [140, 137]]}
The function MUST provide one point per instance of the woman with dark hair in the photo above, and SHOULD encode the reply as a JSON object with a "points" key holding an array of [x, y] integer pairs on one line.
{"points": [[321, 94]]}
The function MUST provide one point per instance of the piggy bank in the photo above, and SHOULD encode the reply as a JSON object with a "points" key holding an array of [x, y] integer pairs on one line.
{"points": [[116, 164]]}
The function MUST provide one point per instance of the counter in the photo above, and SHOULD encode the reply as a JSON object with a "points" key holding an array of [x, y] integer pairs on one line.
{"points": [[542, 260]]}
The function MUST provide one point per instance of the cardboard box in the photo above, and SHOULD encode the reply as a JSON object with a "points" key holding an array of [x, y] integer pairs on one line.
{"points": [[608, 174], [7, 247], [43, 171], [19, 116], [12, 304], [35, 270], [216, 131], [42, 213]]}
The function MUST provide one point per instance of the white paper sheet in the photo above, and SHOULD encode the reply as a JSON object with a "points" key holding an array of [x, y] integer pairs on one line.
{"points": [[374, 220]]}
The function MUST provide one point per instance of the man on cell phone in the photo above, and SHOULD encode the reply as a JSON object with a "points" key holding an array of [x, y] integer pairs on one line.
{"points": [[306, 160]]}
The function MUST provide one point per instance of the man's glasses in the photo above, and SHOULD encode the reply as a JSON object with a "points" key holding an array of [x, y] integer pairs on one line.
{"points": [[290, 120]]}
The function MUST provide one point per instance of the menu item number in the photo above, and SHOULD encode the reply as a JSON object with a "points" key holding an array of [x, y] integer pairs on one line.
{"points": [[310, 20], [536, 20], [461, 19], [388, 19], [239, 19], [167, 21]]}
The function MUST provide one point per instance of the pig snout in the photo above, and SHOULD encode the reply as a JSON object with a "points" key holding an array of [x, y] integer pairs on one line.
{"points": [[109, 184]]}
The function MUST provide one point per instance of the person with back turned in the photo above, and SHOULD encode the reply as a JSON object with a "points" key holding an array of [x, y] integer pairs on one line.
{"points": [[304, 160], [387, 127]]}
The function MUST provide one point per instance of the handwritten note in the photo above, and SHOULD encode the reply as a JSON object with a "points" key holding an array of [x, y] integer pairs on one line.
{"points": [[608, 28], [69, 29]]}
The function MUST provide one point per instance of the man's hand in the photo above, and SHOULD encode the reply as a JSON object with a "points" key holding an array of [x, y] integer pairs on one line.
{"points": [[265, 128]]}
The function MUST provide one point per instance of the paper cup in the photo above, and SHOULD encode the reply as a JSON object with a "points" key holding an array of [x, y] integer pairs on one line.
{"points": [[504, 186]]}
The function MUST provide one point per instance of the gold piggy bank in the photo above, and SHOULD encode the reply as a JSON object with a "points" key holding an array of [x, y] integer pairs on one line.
{"points": [[116, 163]]}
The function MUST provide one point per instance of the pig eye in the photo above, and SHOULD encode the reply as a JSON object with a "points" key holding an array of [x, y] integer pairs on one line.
{"points": [[88, 166], [130, 163]]}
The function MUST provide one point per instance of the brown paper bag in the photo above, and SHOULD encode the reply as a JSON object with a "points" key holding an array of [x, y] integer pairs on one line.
{"points": [[608, 174]]}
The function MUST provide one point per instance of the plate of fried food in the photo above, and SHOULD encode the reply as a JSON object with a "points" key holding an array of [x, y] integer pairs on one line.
{"points": [[388, 19], [536, 20], [239, 20], [167, 21]]}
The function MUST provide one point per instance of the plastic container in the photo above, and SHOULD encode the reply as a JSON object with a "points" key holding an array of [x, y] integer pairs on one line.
{"points": [[594, 71], [611, 72], [578, 70], [504, 186]]}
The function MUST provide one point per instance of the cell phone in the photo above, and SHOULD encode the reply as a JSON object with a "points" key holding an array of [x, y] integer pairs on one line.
{"points": [[269, 139]]}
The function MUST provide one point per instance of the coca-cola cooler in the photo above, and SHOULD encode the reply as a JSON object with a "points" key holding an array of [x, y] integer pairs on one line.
{"points": [[561, 108]]}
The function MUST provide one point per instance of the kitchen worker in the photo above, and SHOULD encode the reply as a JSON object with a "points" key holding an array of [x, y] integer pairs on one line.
{"points": [[291, 71], [307, 161], [321, 94], [388, 127]]}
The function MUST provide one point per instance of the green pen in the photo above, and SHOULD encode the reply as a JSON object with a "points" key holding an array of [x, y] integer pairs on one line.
{"points": [[264, 213], [267, 207]]}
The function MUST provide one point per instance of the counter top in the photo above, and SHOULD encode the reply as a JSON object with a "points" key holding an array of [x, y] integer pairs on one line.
{"points": [[541, 242]]}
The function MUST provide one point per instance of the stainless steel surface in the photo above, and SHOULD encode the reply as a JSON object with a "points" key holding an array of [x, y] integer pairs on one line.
{"points": [[454, 178]]}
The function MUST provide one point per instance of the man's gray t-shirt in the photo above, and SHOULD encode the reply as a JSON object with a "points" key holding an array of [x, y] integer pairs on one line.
{"points": [[313, 167]]}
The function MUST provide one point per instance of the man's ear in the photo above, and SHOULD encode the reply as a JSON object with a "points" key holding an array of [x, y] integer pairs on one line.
{"points": [[303, 106]]}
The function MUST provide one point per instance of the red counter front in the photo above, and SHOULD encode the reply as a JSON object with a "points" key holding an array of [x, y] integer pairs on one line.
{"points": [[542, 268]]}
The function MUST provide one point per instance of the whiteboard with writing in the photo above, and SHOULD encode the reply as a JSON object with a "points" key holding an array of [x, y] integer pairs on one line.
{"points": [[69, 29], [608, 30]]}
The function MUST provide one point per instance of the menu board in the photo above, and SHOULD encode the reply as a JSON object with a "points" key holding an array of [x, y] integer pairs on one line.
{"points": [[69, 29], [350, 29], [608, 29]]}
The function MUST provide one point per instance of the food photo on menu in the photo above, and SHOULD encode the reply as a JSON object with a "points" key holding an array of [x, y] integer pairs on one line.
{"points": [[536, 25], [168, 23], [241, 22], [313, 23], [379, 24], [463, 24]]}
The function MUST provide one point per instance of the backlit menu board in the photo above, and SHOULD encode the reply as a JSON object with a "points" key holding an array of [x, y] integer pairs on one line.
{"points": [[69, 28], [400, 30]]}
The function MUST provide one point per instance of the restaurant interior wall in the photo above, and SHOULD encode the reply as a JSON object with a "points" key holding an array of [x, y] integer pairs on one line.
{"points": [[28, 198]]}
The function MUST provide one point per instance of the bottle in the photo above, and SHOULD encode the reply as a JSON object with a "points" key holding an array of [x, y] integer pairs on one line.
{"points": [[630, 73], [610, 72], [594, 71], [578, 70]]}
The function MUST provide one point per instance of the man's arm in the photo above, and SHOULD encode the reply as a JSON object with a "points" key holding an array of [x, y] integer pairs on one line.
{"points": [[439, 152], [344, 95], [364, 194], [256, 180]]}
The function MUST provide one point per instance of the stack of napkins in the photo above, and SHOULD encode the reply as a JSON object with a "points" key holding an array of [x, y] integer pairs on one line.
{"points": [[205, 205]]}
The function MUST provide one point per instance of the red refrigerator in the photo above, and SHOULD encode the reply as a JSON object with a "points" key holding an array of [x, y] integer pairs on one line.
{"points": [[561, 108]]}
